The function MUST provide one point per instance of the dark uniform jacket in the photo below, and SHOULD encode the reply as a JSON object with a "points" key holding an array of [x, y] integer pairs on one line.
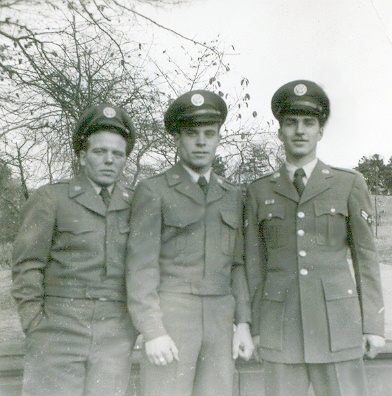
{"points": [[308, 306], [69, 246], [184, 242]]}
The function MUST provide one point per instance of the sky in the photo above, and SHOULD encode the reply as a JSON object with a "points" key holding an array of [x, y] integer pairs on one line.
{"points": [[343, 45]]}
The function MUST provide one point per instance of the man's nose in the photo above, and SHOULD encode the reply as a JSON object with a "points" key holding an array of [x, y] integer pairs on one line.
{"points": [[201, 139], [109, 158], [300, 129]]}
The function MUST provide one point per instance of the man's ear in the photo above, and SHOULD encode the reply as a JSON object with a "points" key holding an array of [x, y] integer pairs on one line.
{"points": [[280, 136], [176, 138], [321, 133], [82, 157]]}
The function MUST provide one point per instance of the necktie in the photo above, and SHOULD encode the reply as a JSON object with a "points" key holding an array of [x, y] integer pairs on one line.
{"points": [[105, 196], [298, 181], [202, 182]]}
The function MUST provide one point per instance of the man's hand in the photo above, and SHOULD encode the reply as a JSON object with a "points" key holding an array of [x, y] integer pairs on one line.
{"points": [[256, 352], [242, 342], [161, 350], [372, 344]]}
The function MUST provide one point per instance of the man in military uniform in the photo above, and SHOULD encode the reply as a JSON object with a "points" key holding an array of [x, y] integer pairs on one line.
{"points": [[186, 278], [313, 315], [69, 268]]}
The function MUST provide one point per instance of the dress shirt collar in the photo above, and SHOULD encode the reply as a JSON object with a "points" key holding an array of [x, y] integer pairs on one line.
{"points": [[308, 169], [195, 176], [98, 188]]}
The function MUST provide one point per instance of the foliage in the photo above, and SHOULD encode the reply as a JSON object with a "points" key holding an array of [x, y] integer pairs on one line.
{"points": [[69, 54], [377, 174], [9, 204]]}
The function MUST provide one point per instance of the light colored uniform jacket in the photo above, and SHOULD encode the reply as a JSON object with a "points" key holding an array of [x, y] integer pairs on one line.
{"points": [[307, 305], [69, 246], [184, 242]]}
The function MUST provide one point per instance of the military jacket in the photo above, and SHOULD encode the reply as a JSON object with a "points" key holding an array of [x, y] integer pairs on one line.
{"points": [[182, 241], [310, 304], [70, 245]]}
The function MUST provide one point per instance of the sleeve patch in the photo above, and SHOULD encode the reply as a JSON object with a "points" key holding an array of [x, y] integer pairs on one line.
{"points": [[368, 218]]}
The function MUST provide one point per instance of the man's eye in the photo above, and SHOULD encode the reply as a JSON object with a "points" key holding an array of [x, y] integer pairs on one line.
{"points": [[210, 133]]}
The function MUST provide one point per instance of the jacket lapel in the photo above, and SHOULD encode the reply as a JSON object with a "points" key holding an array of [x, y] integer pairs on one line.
{"points": [[319, 181], [82, 191], [120, 199], [282, 184], [179, 179], [216, 189]]}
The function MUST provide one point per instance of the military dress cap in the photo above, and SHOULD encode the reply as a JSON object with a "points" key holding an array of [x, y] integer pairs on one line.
{"points": [[300, 97], [103, 117], [194, 108]]}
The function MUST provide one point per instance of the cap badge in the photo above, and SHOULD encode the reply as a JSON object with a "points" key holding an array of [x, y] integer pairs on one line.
{"points": [[197, 99], [300, 89], [109, 112]]}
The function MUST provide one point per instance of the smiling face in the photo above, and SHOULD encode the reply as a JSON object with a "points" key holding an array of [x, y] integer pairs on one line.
{"points": [[197, 146], [300, 135], [105, 157]]}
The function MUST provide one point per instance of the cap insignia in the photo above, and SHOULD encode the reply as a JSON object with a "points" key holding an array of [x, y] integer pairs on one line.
{"points": [[197, 99], [109, 112], [300, 89]]}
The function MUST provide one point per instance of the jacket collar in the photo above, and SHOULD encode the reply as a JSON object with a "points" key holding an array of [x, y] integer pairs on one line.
{"points": [[82, 191], [179, 178], [319, 181]]}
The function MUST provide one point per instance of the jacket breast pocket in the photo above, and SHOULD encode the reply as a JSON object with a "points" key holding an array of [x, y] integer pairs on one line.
{"points": [[75, 234], [229, 229], [343, 313], [331, 222], [180, 229], [271, 221]]}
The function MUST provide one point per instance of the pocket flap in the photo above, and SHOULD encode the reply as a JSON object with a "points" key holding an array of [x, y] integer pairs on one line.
{"points": [[73, 230], [230, 218], [124, 228], [181, 218], [338, 289], [270, 211], [331, 208]]}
